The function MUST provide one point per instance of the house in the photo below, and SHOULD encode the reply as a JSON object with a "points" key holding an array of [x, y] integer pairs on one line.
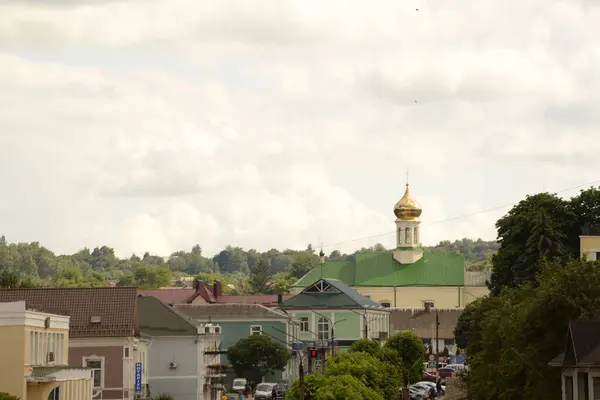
{"points": [[104, 334], [333, 315], [239, 321], [580, 362], [205, 293], [34, 345], [408, 276], [422, 323], [183, 360]]}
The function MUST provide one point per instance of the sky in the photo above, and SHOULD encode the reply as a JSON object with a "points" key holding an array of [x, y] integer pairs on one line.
{"points": [[153, 125]]}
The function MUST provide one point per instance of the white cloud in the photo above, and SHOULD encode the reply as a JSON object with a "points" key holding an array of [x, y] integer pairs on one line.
{"points": [[156, 125]]}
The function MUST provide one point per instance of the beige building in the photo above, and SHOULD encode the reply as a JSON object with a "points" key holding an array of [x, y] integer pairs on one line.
{"points": [[34, 345], [407, 277]]}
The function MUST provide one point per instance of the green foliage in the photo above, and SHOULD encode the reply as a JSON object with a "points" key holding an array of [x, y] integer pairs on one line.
{"points": [[260, 277], [366, 346], [541, 227], [515, 334], [7, 396], [333, 387], [411, 350], [466, 323], [382, 377], [255, 356]]}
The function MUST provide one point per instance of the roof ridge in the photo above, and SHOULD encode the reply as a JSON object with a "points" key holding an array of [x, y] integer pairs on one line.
{"points": [[173, 310]]}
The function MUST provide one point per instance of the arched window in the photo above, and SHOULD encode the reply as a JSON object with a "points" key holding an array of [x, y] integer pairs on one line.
{"points": [[400, 237], [416, 235], [54, 394], [386, 304], [407, 235], [323, 329]]}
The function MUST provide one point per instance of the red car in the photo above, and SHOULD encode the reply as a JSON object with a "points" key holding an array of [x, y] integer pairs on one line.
{"points": [[445, 372]]}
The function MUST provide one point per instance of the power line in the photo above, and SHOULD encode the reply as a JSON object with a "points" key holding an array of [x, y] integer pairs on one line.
{"points": [[456, 217]]}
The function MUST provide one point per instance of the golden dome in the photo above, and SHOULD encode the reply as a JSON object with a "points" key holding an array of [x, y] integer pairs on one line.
{"points": [[407, 209]]}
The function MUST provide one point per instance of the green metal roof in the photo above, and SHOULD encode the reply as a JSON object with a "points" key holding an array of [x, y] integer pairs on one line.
{"points": [[339, 296], [159, 319], [435, 268]]}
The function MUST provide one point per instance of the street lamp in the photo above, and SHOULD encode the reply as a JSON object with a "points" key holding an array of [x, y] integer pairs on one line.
{"points": [[366, 323], [428, 306]]}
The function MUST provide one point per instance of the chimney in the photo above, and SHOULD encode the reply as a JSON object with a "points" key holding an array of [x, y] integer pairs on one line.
{"points": [[217, 289], [279, 298], [457, 251], [196, 284]]}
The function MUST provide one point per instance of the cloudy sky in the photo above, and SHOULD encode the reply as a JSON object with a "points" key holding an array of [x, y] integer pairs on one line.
{"points": [[157, 124]]}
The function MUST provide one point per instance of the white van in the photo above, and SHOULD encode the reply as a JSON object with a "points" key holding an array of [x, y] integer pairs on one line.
{"points": [[264, 391]]}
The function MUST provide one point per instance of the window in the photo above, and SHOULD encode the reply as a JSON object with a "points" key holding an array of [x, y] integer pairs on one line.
{"points": [[54, 394], [126, 352], [386, 304], [407, 235], [323, 329], [255, 330], [97, 366], [304, 324], [448, 342], [321, 287], [416, 235]]}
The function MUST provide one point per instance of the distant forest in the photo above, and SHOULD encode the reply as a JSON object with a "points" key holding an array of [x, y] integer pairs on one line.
{"points": [[242, 271]]}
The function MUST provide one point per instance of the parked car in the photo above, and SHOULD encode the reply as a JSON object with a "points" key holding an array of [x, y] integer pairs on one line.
{"points": [[264, 391], [281, 389], [429, 377], [445, 372], [239, 384]]}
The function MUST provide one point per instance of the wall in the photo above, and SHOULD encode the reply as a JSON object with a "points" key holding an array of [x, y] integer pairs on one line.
{"points": [[413, 296], [12, 349], [113, 366], [589, 246], [182, 382], [76, 390]]}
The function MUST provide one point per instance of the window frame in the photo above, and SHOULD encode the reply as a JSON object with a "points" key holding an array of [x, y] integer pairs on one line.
{"points": [[381, 303], [304, 324], [323, 334], [253, 332], [102, 369]]}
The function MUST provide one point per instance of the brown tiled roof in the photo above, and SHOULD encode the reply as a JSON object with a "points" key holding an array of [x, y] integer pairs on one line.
{"points": [[217, 311], [187, 295], [422, 323], [116, 307]]}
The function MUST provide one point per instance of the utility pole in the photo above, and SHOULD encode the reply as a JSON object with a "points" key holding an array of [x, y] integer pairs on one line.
{"points": [[301, 379], [437, 342], [366, 330]]}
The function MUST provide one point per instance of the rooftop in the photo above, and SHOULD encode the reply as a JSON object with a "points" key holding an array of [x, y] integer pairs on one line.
{"points": [[115, 306], [217, 312]]}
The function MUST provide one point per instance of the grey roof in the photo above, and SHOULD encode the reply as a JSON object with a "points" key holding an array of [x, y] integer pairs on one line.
{"points": [[341, 296], [216, 312], [421, 323], [159, 319]]}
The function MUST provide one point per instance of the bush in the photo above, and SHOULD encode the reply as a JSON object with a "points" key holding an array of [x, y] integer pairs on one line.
{"points": [[163, 396], [8, 396]]}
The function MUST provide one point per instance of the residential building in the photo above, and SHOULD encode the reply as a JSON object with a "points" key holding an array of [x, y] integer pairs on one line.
{"points": [[34, 345], [240, 321], [204, 293], [408, 276], [589, 243], [183, 360], [104, 334], [580, 361], [332, 316], [422, 322]]}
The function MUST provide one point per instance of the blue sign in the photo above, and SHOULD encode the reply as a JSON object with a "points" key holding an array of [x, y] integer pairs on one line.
{"points": [[318, 364], [432, 364], [138, 377]]}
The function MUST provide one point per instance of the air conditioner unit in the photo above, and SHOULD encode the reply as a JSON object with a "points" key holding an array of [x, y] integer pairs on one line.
{"points": [[50, 357], [383, 335], [173, 365]]}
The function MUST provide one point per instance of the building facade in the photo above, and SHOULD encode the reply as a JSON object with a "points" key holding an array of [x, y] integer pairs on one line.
{"points": [[239, 321], [104, 335], [408, 276], [34, 345], [183, 360]]}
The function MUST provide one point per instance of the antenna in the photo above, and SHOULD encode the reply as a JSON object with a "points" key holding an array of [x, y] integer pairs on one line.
{"points": [[407, 176]]}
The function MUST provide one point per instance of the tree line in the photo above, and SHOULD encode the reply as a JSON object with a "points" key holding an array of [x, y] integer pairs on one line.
{"points": [[241, 271], [539, 283]]}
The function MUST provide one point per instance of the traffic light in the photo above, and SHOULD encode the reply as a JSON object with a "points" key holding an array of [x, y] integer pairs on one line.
{"points": [[313, 353]]}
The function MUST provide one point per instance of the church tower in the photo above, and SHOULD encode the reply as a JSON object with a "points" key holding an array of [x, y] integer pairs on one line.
{"points": [[408, 246]]}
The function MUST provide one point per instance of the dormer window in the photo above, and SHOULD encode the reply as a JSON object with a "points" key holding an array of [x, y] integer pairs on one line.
{"points": [[321, 287], [386, 304]]}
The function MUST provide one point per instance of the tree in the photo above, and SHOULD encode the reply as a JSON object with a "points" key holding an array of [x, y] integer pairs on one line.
{"points": [[303, 263], [255, 356], [411, 350], [8, 396], [340, 387], [532, 230], [366, 346], [382, 377], [260, 277], [516, 333]]}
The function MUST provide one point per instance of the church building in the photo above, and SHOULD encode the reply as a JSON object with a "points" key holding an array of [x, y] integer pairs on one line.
{"points": [[407, 277]]}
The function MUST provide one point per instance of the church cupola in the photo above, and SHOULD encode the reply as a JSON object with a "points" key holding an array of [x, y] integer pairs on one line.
{"points": [[408, 245]]}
